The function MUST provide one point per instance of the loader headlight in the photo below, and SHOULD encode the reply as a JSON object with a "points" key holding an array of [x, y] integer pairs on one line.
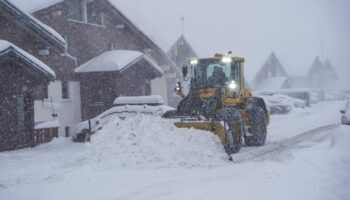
{"points": [[194, 62], [232, 85], [178, 87], [226, 59]]}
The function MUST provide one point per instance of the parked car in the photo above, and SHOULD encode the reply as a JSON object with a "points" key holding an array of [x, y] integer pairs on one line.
{"points": [[345, 119], [280, 103], [124, 107]]}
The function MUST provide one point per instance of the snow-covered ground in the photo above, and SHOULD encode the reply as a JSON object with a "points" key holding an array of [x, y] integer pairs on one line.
{"points": [[148, 158]]}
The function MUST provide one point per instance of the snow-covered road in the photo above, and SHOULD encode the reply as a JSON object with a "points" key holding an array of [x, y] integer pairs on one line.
{"points": [[148, 158]]}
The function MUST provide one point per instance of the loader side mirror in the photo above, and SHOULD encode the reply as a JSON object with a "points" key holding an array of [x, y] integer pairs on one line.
{"points": [[342, 111], [184, 71]]}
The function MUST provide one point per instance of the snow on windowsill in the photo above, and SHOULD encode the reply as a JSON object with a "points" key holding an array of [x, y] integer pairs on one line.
{"points": [[87, 23]]}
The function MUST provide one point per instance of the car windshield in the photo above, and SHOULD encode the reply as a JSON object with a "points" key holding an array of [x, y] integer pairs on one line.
{"points": [[215, 73]]}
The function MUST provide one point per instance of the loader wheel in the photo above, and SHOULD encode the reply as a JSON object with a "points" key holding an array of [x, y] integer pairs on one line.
{"points": [[233, 125], [258, 123]]}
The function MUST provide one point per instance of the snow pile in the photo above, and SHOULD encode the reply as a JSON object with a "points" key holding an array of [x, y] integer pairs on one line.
{"points": [[154, 142]]}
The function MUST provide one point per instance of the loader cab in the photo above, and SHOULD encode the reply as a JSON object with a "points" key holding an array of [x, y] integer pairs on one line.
{"points": [[217, 72]]}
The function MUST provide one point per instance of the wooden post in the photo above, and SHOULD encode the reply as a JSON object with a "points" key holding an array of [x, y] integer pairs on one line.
{"points": [[87, 136]]}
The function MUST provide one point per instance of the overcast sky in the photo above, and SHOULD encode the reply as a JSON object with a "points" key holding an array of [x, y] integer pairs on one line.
{"points": [[293, 29]]}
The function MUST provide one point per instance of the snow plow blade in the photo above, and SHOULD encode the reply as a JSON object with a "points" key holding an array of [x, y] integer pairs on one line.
{"points": [[214, 127]]}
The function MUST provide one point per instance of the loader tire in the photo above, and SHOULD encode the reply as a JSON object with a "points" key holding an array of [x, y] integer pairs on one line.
{"points": [[233, 124], [258, 124]]}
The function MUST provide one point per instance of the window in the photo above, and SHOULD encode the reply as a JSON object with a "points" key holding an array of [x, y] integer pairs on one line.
{"points": [[85, 11], [67, 131], [99, 100], [110, 46], [46, 92], [147, 88], [93, 16], [65, 90], [75, 10]]}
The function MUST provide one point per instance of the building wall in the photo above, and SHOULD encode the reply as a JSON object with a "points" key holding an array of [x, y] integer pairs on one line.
{"points": [[16, 100], [99, 98], [63, 65], [86, 40], [68, 110]]}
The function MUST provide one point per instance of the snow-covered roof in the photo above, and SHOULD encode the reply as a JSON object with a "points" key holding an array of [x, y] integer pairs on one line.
{"points": [[270, 69], [117, 60], [138, 100], [33, 6], [15, 8], [7, 47], [47, 124], [273, 83]]}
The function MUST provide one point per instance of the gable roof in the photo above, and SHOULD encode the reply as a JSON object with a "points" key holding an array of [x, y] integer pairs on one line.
{"points": [[181, 51], [330, 70], [7, 48], [117, 60], [321, 71], [271, 68], [130, 16], [32, 23], [316, 67]]}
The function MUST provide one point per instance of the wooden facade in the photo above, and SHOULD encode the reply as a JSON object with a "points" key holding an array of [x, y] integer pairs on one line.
{"points": [[45, 135]]}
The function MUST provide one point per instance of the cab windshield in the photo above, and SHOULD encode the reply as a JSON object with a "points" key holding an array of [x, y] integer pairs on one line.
{"points": [[214, 73]]}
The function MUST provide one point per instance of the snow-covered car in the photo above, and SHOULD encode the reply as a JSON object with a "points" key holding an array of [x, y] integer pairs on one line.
{"points": [[337, 95], [345, 119], [124, 107], [281, 104]]}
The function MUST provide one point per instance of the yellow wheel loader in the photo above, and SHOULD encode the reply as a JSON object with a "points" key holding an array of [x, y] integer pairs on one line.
{"points": [[219, 101]]}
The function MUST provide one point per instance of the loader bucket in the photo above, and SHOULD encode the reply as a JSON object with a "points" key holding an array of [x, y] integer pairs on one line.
{"points": [[214, 127]]}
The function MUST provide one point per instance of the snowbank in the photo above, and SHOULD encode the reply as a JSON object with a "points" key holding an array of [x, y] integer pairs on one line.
{"points": [[149, 158], [151, 141]]}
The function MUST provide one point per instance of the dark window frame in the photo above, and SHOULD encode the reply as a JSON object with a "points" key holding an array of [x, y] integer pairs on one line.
{"points": [[65, 90]]}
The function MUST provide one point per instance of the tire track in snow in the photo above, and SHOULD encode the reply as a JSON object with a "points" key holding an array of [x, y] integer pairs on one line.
{"points": [[282, 145]]}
